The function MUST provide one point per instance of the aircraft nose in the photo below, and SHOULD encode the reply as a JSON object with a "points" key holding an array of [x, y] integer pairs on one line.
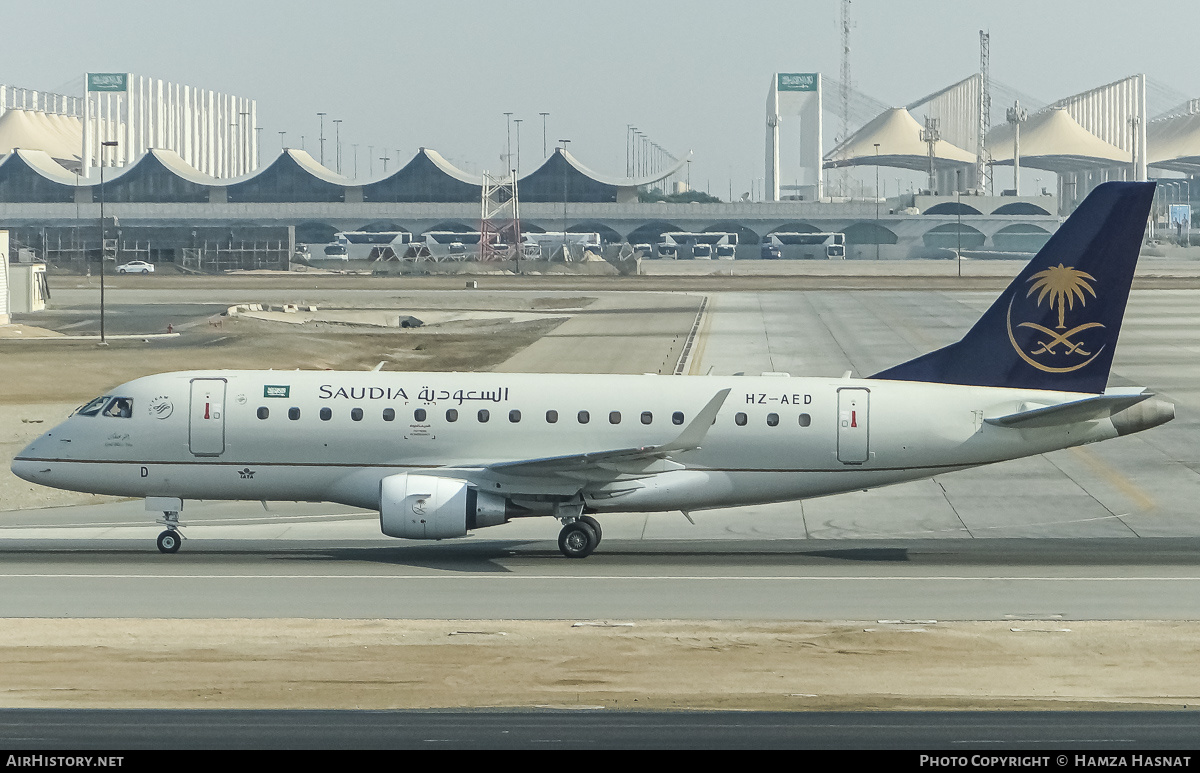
{"points": [[26, 465]]}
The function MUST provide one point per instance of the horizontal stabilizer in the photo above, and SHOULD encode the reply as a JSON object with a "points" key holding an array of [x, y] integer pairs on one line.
{"points": [[1073, 412]]}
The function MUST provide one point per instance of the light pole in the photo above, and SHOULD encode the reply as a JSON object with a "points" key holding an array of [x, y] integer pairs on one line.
{"points": [[337, 142], [1187, 199], [103, 247], [566, 177], [244, 141], [958, 192], [282, 141], [543, 115], [508, 164], [876, 201], [321, 140], [517, 121]]}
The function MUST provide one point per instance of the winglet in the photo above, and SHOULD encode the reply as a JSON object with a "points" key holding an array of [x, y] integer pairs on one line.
{"points": [[693, 434]]}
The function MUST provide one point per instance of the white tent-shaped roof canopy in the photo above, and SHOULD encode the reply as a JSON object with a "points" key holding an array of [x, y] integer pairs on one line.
{"points": [[58, 135], [899, 138], [1054, 141], [1174, 143]]}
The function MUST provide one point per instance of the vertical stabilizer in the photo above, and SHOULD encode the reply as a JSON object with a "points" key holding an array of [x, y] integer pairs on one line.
{"points": [[1056, 326]]}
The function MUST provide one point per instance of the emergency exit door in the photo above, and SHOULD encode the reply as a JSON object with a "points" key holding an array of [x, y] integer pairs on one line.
{"points": [[853, 429], [206, 424]]}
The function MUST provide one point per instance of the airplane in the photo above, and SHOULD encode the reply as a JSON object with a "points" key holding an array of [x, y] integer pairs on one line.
{"points": [[441, 455]]}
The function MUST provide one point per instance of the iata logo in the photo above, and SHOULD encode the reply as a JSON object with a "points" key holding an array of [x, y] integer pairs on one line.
{"points": [[1063, 348]]}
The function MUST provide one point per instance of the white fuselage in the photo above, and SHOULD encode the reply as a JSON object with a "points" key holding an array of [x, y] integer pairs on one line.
{"points": [[260, 435]]}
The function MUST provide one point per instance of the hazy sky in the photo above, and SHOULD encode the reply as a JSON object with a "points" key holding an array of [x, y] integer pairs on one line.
{"points": [[692, 75]]}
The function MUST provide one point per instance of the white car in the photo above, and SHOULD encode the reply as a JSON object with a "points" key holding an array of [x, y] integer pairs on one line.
{"points": [[136, 267]]}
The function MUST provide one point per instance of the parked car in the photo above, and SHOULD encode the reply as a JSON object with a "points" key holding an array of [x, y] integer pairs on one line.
{"points": [[136, 267]]}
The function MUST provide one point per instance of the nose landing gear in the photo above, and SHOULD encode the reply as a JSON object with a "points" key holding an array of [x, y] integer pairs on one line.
{"points": [[170, 540]]}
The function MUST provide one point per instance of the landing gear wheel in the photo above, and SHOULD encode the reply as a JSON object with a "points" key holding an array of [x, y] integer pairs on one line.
{"points": [[590, 521], [169, 541], [577, 539]]}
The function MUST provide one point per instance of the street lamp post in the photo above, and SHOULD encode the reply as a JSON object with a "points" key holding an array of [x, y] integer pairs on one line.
{"points": [[103, 248], [566, 177], [543, 115], [244, 141], [958, 192], [337, 143], [517, 121], [876, 201], [321, 138], [1187, 227]]}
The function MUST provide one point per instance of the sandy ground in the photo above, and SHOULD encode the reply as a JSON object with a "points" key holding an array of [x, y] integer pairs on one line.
{"points": [[385, 664], [41, 383]]}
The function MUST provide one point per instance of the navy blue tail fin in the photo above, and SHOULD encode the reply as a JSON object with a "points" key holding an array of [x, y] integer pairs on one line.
{"points": [[1056, 325]]}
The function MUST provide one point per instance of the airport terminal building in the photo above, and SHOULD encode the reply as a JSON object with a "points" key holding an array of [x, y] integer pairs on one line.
{"points": [[175, 191]]}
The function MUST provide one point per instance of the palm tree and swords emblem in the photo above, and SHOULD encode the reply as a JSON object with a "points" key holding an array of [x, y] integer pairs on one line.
{"points": [[1063, 286]]}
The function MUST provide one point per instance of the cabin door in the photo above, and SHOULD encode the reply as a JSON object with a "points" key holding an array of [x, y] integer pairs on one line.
{"points": [[853, 435], [206, 423]]}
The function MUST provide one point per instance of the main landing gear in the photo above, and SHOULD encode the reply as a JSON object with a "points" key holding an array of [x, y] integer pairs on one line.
{"points": [[579, 537], [170, 540]]}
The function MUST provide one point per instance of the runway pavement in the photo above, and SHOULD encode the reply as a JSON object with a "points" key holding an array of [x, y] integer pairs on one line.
{"points": [[1001, 534], [1034, 738]]}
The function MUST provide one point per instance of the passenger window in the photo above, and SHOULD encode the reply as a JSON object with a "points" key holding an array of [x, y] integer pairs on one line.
{"points": [[614, 417], [356, 414], [389, 414], [772, 419], [120, 408], [677, 417], [293, 413], [551, 417], [514, 416], [647, 417], [452, 415], [805, 420], [419, 414], [263, 412], [92, 408], [739, 419], [484, 416], [584, 417], [326, 414]]}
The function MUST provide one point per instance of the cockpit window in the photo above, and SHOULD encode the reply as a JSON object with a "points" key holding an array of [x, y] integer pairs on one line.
{"points": [[120, 408], [92, 408]]}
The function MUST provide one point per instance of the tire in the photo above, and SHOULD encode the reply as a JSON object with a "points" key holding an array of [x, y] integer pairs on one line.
{"points": [[145, 271], [577, 540], [120, 271], [169, 541], [590, 521]]}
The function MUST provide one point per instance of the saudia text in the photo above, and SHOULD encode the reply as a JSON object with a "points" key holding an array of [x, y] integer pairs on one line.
{"points": [[425, 395]]}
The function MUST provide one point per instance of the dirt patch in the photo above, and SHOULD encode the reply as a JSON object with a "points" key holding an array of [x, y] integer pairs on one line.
{"points": [[387, 664], [41, 383]]}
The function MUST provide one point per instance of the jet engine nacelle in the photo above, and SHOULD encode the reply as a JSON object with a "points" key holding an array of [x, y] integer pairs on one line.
{"points": [[432, 507]]}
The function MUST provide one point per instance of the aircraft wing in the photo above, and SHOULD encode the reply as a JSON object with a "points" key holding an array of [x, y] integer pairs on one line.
{"points": [[621, 461], [1073, 412]]}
